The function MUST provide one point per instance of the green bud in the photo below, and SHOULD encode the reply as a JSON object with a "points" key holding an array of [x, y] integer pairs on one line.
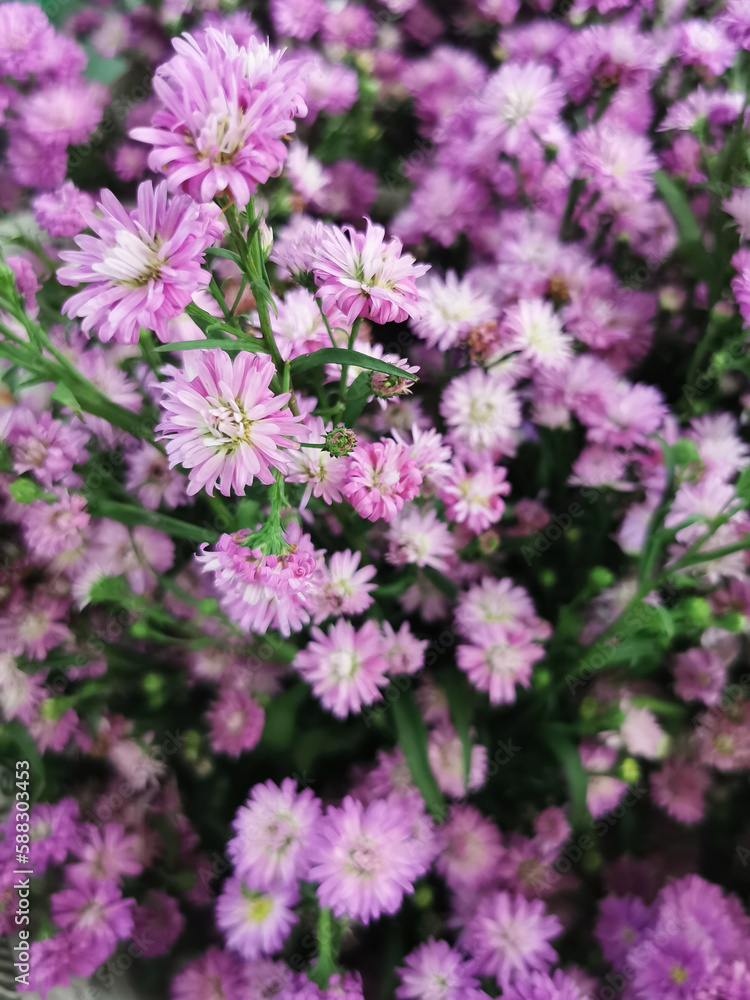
{"points": [[153, 683], [340, 441], [488, 542], [542, 679], [592, 861], [573, 534], [423, 896], [697, 612], [630, 771], [733, 621], [208, 606], [601, 578], [140, 630], [25, 491], [548, 578], [589, 708]]}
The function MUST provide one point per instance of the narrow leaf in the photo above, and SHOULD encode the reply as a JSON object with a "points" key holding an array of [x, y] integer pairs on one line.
{"points": [[228, 254], [412, 738], [343, 356], [130, 514], [460, 702], [567, 753], [356, 398]]}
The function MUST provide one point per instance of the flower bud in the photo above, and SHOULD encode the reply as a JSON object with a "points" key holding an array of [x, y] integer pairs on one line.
{"points": [[340, 441]]}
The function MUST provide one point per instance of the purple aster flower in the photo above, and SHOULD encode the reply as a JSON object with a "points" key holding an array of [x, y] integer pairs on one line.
{"points": [[541, 986], [255, 922], [236, 722], [509, 937], [518, 105], [216, 975], [106, 853], [51, 529], [143, 267], [700, 675], [272, 834], [25, 37], [96, 913], [623, 923], [679, 787], [48, 448], [674, 967], [704, 913], [63, 212], [365, 276], [345, 668], [365, 858], [297, 18], [470, 846], [223, 422], [52, 833], [435, 971], [225, 110]]}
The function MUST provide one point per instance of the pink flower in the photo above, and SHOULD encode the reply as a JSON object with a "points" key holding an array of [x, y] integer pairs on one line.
{"points": [[700, 675], [96, 914], [534, 329], [343, 587], [216, 972], [402, 651], [517, 107], [365, 276], [679, 788], [470, 848], [449, 309], [705, 45], [63, 114], [499, 658], [157, 923], [446, 757], [272, 834], [345, 668], [435, 971], [255, 922], [51, 529], [142, 267], [151, 480], [482, 412], [63, 212], [133, 553], [25, 38], [475, 498], [223, 422], [47, 448], [381, 477], [236, 722], [741, 283], [619, 163], [365, 859], [107, 853], [417, 537], [225, 109], [509, 937], [261, 590]]}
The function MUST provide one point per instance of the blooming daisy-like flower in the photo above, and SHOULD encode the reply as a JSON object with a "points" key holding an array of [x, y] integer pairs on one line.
{"points": [[499, 658], [58, 527], [236, 722], [435, 971], [96, 913], [216, 975], [541, 986], [431, 455], [403, 652], [48, 448], [63, 212], [322, 473], [260, 590], [417, 537], [449, 309], [470, 846], [700, 675], [482, 412], [365, 859], [678, 969], [445, 753], [509, 937], [224, 424], [623, 921], [381, 477], [362, 275], [536, 331], [679, 788], [272, 834], [345, 668], [617, 162], [343, 586], [225, 109], [475, 498], [719, 445], [299, 327], [519, 103], [106, 853], [255, 922], [150, 478], [142, 267]]}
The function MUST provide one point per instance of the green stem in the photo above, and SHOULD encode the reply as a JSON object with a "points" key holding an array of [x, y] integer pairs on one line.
{"points": [[325, 967], [345, 368]]}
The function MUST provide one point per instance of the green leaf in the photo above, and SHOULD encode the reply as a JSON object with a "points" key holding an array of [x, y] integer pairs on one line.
{"points": [[567, 753], [206, 345], [460, 703], [130, 514], [25, 749], [228, 254], [343, 356], [412, 738], [356, 398], [65, 396], [691, 241]]}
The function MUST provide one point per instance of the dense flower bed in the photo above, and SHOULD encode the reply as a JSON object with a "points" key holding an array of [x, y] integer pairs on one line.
{"points": [[375, 592]]}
